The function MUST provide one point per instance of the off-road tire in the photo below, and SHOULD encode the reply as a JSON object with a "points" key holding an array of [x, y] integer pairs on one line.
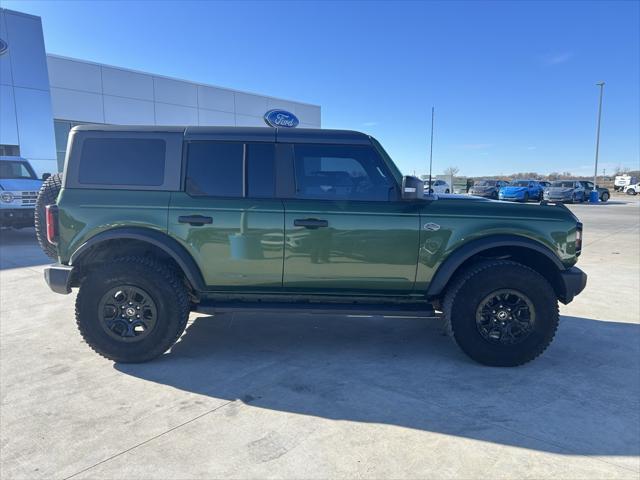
{"points": [[165, 288], [467, 290], [48, 195]]}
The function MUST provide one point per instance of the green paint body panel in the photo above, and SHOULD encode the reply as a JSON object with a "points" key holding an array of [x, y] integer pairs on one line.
{"points": [[368, 248], [242, 249], [84, 213]]}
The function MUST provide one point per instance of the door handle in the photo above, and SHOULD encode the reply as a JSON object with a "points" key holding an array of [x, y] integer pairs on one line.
{"points": [[311, 223], [195, 220]]}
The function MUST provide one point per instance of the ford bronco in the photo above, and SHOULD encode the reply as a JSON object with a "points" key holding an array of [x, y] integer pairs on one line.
{"points": [[150, 223]]}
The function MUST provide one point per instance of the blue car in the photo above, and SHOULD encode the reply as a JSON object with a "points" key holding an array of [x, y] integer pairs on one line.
{"points": [[521, 191]]}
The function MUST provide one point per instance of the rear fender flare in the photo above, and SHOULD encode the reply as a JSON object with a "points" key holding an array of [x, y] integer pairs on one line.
{"points": [[153, 237]]}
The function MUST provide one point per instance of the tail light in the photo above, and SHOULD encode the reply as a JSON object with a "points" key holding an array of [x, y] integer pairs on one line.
{"points": [[52, 223], [578, 238]]}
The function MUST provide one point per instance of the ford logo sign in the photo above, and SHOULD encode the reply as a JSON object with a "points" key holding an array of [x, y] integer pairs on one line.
{"points": [[281, 118]]}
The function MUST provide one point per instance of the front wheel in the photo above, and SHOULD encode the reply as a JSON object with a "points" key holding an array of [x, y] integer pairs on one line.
{"points": [[447, 191], [604, 197], [526, 197], [501, 313], [131, 309], [631, 191]]}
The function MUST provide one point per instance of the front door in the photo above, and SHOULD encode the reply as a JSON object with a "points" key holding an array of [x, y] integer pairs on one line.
{"points": [[346, 231], [227, 216]]}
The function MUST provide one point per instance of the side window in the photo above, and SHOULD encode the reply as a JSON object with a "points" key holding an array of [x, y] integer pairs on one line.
{"points": [[215, 169], [340, 172], [122, 161], [261, 176]]}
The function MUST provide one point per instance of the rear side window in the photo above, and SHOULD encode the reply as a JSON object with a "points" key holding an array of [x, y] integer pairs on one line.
{"points": [[220, 169], [215, 169], [122, 161]]}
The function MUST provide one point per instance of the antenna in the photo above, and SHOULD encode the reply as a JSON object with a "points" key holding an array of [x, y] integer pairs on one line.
{"points": [[431, 149]]}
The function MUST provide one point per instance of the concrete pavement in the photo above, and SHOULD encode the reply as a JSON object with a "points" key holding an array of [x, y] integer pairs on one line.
{"points": [[246, 396]]}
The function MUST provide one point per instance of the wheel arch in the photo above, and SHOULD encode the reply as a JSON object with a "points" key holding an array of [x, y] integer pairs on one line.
{"points": [[521, 249], [145, 239]]}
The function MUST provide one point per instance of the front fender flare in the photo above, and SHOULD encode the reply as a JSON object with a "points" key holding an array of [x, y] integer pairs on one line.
{"points": [[448, 268], [156, 238]]}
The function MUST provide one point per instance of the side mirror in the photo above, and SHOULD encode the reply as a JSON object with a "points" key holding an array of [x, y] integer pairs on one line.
{"points": [[412, 188], [45, 176]]}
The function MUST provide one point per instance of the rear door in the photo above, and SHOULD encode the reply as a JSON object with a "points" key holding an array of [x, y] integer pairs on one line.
{"points": [[346, 230], [227, 215]]}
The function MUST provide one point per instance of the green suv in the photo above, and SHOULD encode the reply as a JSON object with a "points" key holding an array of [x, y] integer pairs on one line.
{"points": [[150, 223]]}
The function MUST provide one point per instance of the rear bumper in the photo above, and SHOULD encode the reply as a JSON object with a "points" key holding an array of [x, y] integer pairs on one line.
{"points": [[58, 277], [573, 280], [16, 217]]}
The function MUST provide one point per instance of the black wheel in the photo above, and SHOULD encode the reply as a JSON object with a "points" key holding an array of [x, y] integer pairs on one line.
{"points": [[526, 197], [501, 313], [604, 197], [447, 191], [631, 191], [131, 309], [494, 195], [48, 195]]}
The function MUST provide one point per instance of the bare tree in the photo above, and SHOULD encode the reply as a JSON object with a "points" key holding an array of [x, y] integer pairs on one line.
{"points": [[451, 171]]}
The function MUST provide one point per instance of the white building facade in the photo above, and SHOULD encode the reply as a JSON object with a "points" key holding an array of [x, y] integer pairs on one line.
{"points": [[44, 95]]}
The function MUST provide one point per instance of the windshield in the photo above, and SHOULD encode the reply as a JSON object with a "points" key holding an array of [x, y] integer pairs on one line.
{"points": [[16, 170], [485, 183], [562, 184], [521, 183]]}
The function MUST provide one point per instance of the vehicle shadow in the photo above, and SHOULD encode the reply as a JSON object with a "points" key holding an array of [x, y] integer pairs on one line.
{"points": [[19, 248], [580, 397]]}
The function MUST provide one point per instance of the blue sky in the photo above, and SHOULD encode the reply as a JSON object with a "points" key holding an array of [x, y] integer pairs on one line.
{"points": [[513, 83]]}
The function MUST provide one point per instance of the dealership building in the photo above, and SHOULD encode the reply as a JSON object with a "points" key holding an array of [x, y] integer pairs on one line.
{"points": [[42, 96]]}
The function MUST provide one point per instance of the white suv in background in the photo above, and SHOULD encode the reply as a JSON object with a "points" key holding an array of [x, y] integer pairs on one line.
{"points": [[437, 186], [632, 189]]}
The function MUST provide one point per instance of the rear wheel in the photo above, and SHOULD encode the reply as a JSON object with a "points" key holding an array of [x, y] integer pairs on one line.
{"points": [[526, 197], [631, 191], [131, 309], [48, 195], [447, 191], [501, 313]]}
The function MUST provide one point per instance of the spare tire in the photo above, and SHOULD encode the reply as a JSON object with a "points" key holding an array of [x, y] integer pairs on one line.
{"points": [[48, 195]]}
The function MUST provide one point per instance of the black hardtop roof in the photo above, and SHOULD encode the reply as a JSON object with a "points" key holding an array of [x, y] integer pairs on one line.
{"points": [[256, 134]]}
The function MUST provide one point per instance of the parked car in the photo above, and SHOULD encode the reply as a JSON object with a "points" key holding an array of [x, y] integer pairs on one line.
{"points": [[487, 188], [632, 189], [603, 192], [185, 230], [565, 191], [622, 181], [437, 186], [521, 191], [19, 187]]}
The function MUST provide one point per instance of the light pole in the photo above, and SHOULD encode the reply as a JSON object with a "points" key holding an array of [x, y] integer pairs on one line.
{"points": [[593, 198]]}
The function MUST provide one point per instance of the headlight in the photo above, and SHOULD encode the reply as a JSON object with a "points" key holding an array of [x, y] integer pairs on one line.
{"points": [[6, 197]]}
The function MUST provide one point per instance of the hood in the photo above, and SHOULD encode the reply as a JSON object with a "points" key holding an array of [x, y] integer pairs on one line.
{"points": [[513, 189], [20, 185], [482, 188], [559, 189]]}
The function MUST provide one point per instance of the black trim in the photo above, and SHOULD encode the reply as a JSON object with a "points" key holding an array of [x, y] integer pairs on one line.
{"points": [[573, 281], [155, 238], [465, 252], [58, 277]]}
